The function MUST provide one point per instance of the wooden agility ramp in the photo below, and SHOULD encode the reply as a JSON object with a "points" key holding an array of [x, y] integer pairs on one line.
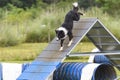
{"points": [[44, 65]]}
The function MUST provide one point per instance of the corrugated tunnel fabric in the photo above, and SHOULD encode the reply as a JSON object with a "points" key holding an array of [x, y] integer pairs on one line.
{"points": [[101, 59], [84, 71]]}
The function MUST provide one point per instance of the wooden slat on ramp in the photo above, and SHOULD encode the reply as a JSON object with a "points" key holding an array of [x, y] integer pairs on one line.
{"points": [[44, 65]]}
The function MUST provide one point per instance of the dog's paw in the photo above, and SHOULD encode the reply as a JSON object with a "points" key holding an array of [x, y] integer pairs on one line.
{"points": [[61, 49], [70, 42]]}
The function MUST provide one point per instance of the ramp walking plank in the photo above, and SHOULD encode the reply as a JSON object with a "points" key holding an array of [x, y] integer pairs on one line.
{"points": [[45, 64], [47, 61]]}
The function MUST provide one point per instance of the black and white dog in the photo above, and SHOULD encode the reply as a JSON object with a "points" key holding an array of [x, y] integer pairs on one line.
{"points": [[66, 28], [61, 34]]}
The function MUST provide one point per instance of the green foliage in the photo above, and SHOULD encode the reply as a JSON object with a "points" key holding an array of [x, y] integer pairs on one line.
{"points": [[85, 4], [33, 36], [10, 36], [18, 3], [37, 35], [50, 1], [37, 24], [1, 13], [110, 6]]}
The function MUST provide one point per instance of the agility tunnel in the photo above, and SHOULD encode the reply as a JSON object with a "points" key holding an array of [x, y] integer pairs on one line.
{"points": [[84, 71], [101, 59], [98, 58]]}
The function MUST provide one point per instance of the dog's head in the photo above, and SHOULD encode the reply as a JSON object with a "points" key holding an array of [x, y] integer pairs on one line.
{"points": [[59, 34]]}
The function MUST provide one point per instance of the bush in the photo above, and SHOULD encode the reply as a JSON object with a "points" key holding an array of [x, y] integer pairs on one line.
{"points": [[33, 36], [10, 37], [40, 34], [85, 4], [50, 1]]}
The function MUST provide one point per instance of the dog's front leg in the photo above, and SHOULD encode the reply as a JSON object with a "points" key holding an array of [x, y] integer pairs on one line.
{"points": [[70, 38], [70, 42], [61, 43]]}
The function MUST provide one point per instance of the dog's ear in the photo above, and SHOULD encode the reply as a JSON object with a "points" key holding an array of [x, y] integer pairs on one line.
{"points": [[56, 31]]}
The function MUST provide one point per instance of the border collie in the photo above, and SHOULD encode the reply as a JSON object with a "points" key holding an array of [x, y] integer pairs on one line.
{"points": [[66, 28], [61, 34]]}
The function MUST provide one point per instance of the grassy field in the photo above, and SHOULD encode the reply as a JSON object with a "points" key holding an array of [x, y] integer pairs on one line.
{"points": [[29, 51], [22, 52]]}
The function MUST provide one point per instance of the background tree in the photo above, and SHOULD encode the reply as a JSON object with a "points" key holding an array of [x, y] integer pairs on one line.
{"points": [[50, 1], [110, 6], [18, 3]]}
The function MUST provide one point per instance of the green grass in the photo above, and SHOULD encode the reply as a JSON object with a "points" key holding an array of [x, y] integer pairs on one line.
{"points": [[81, 47], [29, 51], [22, 52]]}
